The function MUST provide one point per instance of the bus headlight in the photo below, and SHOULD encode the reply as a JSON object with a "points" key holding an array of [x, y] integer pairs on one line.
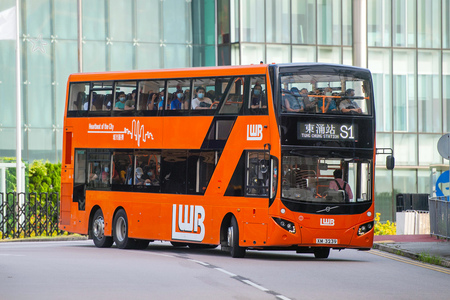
{"points": [[365, 228], [289, 226]]}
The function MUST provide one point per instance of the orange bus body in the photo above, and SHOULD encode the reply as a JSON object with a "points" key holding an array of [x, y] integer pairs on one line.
{"points": [[157, 216]]}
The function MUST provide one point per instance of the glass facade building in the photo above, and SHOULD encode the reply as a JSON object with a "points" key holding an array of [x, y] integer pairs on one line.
{"points": [[408, 52]]}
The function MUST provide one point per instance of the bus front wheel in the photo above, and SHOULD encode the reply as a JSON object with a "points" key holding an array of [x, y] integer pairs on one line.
{"points": [[120, 232], [233, 240], [98, 231]]}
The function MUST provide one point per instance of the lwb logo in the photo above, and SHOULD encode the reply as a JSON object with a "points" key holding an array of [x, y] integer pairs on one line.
{"points": [[190, 225], [326, 222], [254, 132]]}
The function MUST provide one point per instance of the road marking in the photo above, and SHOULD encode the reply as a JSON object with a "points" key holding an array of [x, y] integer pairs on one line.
{"points": [[226, 272], [199, 262], [282, 297], [255, 285], [410, 261]]}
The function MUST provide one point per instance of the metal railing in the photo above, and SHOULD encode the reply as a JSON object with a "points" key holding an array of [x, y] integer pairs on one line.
{"points": [[439, 216], [27, 215]]}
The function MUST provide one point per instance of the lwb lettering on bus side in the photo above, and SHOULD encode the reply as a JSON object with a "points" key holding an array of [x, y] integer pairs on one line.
{"points": [[254, 132], [190, 225]]}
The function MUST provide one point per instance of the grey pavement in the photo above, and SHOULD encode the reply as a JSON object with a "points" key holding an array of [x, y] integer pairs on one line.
{"points": [[414, 246]]}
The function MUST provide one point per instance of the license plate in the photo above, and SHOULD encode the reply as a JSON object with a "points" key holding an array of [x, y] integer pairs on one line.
{"points": [[326, 241]]}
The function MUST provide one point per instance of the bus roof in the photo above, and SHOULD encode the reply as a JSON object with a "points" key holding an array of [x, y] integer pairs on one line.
{"points": [[170, 73]]}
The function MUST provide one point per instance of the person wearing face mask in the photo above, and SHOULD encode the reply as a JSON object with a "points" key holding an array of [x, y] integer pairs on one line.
{"points": [[139, 180], [178, 102], [105, 175], [120, 102], [201, 102], [257, 98]]}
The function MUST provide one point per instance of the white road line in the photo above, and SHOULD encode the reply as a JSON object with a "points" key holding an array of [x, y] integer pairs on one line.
{"points": [[255, 285], [226, 272], [283, 297], [199, 262]]}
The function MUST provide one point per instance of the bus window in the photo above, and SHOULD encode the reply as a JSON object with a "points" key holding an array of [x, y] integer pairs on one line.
{"points": [[234, 99], [78, 97], [176, 94], [147, 168], [325, 180], [149, 98], [331, 93], [200, 169], [101, 96], [258, 175], [125, 96], [173, 171], [99, 169], [122, 168], [257, 97], [207, 94]]}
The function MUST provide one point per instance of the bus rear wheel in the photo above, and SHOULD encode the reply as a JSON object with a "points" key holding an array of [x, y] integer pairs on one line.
{"points": [[98, 231], [120, 231], [321, 252], [233, 240]]}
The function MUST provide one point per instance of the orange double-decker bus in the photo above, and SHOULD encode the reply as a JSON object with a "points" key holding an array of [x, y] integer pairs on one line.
{"points": [[274, 156]]}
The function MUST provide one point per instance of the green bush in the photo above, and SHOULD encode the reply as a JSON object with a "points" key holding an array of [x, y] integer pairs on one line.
{"points": [[387, 228]]}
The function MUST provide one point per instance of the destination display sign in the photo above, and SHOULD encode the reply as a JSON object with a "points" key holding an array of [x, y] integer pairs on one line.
{"points": [[326, 131]]}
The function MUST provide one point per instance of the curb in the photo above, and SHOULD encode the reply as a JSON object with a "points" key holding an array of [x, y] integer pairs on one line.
{"points": [[46, 239], [406, 253]]}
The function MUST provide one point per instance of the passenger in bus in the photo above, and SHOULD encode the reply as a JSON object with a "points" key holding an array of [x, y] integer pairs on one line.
{"points": [[152, 101], [130, 103], [257, 98], [105, 175], [178, 101], [120, 102], [201, 102], [291, 103], [309, 102], [138, 180], [348, 105], [187, 98], [338, 184], [330, 104]]}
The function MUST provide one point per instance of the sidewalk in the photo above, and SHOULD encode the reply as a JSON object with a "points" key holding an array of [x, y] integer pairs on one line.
{"points": [[413, 246]]}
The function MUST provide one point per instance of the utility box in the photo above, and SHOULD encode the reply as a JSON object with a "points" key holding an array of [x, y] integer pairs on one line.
{"points": [[413, 222]]}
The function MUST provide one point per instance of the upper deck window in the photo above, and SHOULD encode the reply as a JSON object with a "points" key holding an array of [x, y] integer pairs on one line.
{"points": [[327, 92], [78, 97]]}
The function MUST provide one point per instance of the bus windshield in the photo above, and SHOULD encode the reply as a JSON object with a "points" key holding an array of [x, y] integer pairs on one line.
{"points": [[325, 92], [326, 179]]}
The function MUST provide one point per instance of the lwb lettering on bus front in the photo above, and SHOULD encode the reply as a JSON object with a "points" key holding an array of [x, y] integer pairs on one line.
{"points": [[254, 132], [189, 224]]}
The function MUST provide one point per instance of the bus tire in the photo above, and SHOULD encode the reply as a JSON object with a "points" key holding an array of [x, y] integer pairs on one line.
{"points": [[233, 240], [120, 231], [98, 231], [321, 252]]}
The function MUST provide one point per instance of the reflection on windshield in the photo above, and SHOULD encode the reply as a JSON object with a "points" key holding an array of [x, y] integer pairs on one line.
{"points": [[326, 180], [324, 93]]}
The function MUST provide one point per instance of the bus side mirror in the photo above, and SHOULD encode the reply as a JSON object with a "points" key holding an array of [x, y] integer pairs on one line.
{"points": [[390, 162]]}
